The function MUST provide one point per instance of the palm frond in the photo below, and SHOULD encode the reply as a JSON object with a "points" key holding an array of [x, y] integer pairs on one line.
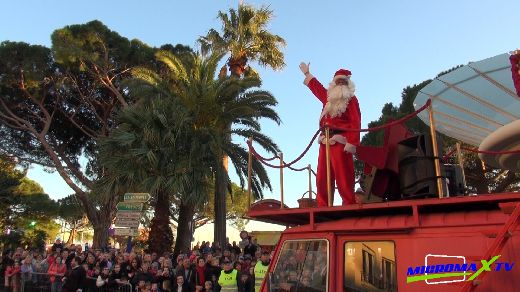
{"points": [[244, 34], [173, 63]]}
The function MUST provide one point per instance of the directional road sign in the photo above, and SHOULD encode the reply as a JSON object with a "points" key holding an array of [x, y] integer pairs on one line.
{"points": [[124, 206], [137, 197], [128, 215], [126, 222], [126, 232]]}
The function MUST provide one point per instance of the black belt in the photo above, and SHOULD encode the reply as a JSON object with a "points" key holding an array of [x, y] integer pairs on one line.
{"points": [[332, 132]]}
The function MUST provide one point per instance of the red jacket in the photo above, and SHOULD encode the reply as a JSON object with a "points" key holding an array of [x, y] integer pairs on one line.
{"points": [[54, 269], [350, 119], [515, 66], [11, 271]]}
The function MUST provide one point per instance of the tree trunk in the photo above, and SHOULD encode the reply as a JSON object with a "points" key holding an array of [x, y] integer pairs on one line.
{"points": [[102, 221], [184, 229], [100, 239], [237, 66], [70, 240], [223, 72], [221, 182], [161, 237]]}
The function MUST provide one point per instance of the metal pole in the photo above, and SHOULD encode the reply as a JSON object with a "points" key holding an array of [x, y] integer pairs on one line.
{"points": [[327, 157], [440, 188], [280, 155], [310, 180], [249, 172], [461, 163]]}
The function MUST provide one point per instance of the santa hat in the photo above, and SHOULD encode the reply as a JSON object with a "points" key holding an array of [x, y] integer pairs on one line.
{"points": [[342, 74]]}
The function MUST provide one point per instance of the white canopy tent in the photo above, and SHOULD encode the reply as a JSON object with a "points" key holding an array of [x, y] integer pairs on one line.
{"points": [[478, 104]]}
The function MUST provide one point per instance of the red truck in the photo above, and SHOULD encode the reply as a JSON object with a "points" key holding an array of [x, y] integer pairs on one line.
{"points": [[451, 244]]}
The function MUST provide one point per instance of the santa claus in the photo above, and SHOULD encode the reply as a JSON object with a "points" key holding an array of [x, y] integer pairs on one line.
{"points": [[340, 111]]}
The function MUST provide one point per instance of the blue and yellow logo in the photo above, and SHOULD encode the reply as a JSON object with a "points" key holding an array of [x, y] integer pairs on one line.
{"points": [[430, 272]]}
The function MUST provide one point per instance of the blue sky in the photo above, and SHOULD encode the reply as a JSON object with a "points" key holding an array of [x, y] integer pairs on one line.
{"points": [[387, 45]]}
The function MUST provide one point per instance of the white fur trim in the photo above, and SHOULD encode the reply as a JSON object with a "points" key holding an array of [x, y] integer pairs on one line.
{"points": [[349, 148], [339, 138], [341, 77], [323, 113], [333, 140], [308, 78]]}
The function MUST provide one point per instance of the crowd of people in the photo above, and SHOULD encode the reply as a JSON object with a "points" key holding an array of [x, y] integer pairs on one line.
{"points": [[206, 267]]}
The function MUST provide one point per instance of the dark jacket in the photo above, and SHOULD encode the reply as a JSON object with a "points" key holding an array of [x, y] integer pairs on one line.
{"points": [[189, 276], [212, 274], [236, 249], [250, 249], [57, 245], [185, 288], [75, 279], [245, 286], [144, 276]]}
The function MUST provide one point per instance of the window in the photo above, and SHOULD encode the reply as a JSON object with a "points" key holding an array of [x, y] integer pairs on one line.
{"points": [[389, 275], [370, 266], [301, 266]]}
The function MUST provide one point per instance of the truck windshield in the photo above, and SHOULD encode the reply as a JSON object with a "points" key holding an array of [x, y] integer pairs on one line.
{"points": [[370, 266], [302, 266]]}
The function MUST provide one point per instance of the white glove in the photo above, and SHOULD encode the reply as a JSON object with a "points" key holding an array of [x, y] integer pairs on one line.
{"points": [[349, 148], [304, 67]]}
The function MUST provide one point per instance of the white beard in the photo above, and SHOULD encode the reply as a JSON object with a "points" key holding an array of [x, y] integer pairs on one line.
{"points": [[338, 97]]}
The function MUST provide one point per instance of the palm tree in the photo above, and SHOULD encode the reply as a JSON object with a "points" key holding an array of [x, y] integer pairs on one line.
{"points": [[151, 151], [221, 109], [198, 114], [245, 36]]}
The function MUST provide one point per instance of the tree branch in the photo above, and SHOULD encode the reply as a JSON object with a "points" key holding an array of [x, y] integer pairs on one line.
{"points": [[110, 86], [201, 223], [26, 159], [21, 122], [81, 195], [72, 168]]}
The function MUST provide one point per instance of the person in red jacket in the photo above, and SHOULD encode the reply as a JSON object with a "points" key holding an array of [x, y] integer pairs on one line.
{"points": [[515, 70], [56, 272], [340, 111], [12, 275]]}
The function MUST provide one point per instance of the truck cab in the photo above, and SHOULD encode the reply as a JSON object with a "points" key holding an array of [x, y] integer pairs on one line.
{"points": [[415, 245]]}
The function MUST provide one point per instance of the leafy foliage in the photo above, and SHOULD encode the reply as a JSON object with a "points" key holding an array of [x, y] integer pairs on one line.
{"points": [[72, 215], [10, 179], [236, 209], [26, 212], [209, 106], [55, 103], [173, 140], [246, 37]]}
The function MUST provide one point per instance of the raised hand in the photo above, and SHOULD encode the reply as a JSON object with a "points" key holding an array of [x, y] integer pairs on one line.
{"points": [[304, 67]]}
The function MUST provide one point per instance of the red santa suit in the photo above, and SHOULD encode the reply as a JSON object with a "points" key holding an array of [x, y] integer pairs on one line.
{"points": [[344, 114]]}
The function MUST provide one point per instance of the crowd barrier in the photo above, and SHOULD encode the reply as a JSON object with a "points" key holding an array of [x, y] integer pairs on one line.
{"points": [[36, 282]]}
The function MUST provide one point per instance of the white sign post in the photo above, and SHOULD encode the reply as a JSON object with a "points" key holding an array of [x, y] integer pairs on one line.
{"points": [[126, 232], [129, 212]]}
